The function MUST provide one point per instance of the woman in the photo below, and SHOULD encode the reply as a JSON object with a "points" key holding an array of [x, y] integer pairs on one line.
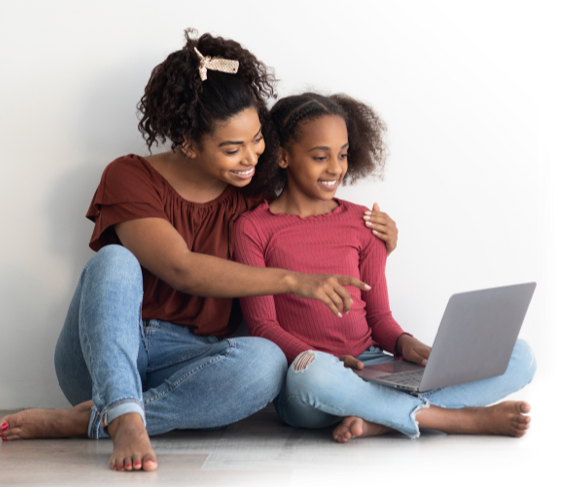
{"points": [[143, 348]]}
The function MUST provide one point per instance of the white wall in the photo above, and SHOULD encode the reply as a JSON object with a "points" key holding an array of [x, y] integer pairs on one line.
{"points": [[469, 91]]}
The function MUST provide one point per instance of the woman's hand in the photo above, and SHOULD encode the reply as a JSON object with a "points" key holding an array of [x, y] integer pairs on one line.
{"points": [[412, 350], [329, 289], [383, 227], [351, 362]]}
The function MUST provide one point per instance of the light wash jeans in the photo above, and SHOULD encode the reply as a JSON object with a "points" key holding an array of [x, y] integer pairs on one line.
{"points": [[173, 378], [325, 391]]}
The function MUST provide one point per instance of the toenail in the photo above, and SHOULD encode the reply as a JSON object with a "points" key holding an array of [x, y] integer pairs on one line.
{"points": [[4, 426]]}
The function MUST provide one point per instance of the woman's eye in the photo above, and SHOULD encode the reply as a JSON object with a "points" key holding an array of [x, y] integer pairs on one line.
{"points": [[320, 158], [259, 139], [343, 156], [231, 153]]}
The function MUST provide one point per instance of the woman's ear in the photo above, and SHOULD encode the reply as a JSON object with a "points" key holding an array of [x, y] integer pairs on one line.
{"points": [[283, 158], [187, 148]]}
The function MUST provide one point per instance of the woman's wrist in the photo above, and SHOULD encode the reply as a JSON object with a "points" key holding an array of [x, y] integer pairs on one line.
{"points": [[289, 281]]}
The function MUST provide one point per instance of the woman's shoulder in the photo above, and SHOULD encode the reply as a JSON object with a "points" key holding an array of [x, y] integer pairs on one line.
{"points": [[131, 165]]}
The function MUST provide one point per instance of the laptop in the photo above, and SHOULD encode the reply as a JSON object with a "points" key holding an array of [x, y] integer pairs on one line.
{"points": [[475, 341]]}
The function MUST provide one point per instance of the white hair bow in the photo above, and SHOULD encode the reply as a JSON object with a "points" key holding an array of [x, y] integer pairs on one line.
{"points": [[215, 64]]}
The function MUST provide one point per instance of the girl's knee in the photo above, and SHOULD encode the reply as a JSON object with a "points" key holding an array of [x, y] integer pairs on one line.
{"points": [[524, 359], [312, 372]]}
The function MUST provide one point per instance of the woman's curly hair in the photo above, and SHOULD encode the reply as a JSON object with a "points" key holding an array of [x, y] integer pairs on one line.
{"points": [[177, 105], [365, 131]]}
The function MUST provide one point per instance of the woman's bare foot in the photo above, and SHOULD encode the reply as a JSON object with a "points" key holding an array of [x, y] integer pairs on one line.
{"points": [[352, 427], [40, 423], [506, 418], [131, 444]]}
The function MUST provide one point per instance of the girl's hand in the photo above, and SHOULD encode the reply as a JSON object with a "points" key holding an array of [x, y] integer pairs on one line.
{"points": [[351, 362], [329, 289], [412, 350], [383, 227]]}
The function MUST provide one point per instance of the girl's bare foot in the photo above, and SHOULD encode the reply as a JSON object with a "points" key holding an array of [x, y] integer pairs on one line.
{"points": [[40, 423], [506, 418], [131, 445], [352, 427]]}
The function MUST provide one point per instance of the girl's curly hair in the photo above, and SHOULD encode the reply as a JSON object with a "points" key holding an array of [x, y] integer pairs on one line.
{"points": [[365, 130], [177, 105]]}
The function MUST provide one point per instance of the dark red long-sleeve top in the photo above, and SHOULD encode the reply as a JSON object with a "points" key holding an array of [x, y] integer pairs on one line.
{"points": [[338, 243]]}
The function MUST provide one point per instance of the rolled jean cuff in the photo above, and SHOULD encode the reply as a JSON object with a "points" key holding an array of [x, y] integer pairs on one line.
{"points": [[97, 428]]}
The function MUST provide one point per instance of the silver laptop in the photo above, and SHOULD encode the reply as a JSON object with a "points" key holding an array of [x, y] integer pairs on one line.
{"points": [[474, 341]]}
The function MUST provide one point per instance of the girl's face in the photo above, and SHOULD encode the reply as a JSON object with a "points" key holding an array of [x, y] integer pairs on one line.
{"points": [[317, 163], [231, 152]]}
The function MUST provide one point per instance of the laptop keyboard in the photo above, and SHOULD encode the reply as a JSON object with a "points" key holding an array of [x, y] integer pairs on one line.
{"points": [[409, 379]]}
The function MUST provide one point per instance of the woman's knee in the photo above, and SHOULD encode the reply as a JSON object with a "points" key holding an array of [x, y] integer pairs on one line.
{"points": [[266, 360], [114, 262]]}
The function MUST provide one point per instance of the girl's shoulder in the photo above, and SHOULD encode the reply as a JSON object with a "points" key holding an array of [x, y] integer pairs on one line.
{"points": [[350, 208]]}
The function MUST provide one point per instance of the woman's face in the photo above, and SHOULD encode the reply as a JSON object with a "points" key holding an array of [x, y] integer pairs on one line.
{"points": [[230, 153], [317, 162]]}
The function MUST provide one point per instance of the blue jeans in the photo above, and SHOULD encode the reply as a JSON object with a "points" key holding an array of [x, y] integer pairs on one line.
{"points": [[325, 391], [173, 378]]}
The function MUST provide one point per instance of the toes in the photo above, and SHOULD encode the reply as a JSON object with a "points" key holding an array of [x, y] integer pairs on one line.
{"points": [[137, 463], [524, 407], [149, 463]]}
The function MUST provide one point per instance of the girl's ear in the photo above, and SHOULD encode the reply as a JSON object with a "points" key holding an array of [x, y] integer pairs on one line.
{"points": [[187, 148], [283, 158]]}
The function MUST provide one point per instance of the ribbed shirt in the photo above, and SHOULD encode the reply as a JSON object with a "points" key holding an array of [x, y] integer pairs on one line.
{"points": [[334, 243]]}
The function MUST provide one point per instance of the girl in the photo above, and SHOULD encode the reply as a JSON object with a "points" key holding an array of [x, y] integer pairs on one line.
{"points": [[324, 142], [143, 348]]}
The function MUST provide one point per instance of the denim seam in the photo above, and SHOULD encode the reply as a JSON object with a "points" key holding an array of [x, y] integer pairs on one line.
{"points": [[190, 373], [94, 423], [171, 363]]}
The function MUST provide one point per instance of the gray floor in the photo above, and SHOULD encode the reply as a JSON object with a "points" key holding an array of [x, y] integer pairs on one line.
{"points": [[261, 451]]}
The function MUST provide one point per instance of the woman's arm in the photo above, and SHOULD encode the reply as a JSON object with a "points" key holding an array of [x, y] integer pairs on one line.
{"points": [[160, 249], [383, 227]]}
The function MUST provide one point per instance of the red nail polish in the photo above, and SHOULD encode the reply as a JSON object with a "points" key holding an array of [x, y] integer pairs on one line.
{"points": [[4, 426], [4, 439]]}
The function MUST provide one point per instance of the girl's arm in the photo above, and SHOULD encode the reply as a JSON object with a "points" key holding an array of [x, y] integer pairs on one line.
{"points": [[385, 330], [372, 262], [160, 249], [383, 227], [259, 312]]}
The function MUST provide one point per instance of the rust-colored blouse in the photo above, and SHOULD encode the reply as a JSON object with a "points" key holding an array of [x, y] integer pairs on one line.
{"points": [[131, 188]]}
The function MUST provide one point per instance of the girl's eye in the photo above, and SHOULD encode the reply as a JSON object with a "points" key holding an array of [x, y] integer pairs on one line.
{"points": [[231, 153], [320, 158], [343, 156], [259, 139]]}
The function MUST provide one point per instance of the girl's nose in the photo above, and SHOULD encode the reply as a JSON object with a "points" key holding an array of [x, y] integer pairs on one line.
{"points": [[334, 167]]}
